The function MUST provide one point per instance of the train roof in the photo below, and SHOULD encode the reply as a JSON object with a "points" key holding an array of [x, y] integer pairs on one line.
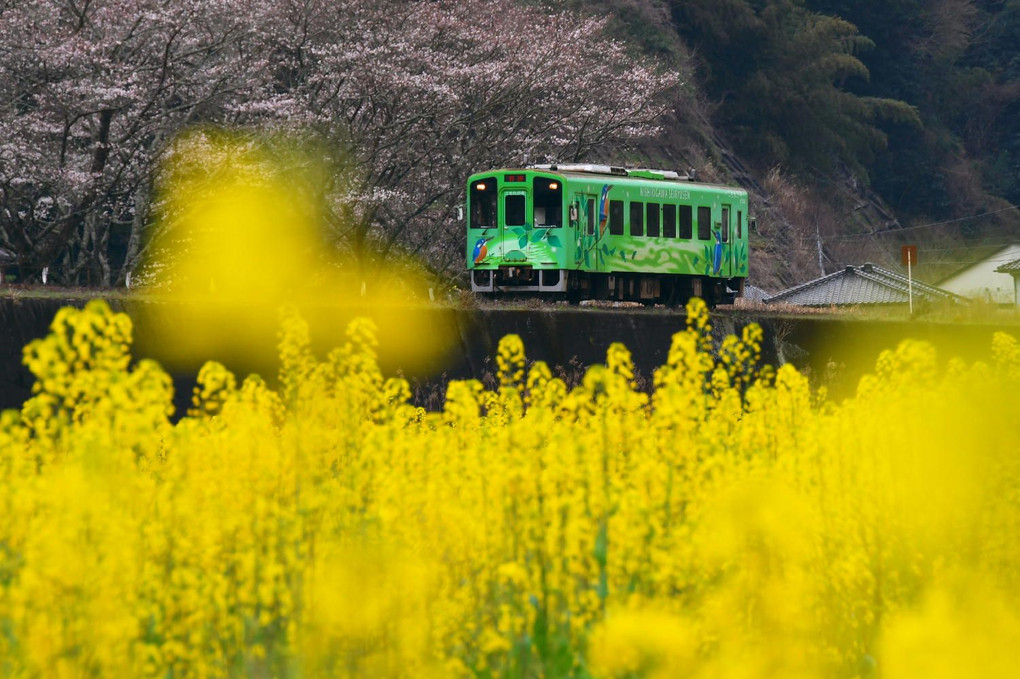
{"points": [[614, 170], [590, 171]]}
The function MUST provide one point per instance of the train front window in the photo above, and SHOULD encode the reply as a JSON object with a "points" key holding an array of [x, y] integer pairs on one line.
{"points": [[483, 204], [548, 202], [514, 209]]}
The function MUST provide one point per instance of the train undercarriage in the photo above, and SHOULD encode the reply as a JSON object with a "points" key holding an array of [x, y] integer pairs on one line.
{"points": [[574, 286]]}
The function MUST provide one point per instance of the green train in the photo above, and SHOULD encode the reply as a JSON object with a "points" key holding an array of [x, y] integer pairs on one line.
{"points": [[602, 232]]}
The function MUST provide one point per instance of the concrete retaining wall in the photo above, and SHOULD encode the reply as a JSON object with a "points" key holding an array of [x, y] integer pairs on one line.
{"points": [[834, 350]]}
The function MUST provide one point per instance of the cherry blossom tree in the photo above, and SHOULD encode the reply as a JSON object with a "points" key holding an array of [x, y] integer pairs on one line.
{"points": [[93, 91], [421, 94], [406, 98]]}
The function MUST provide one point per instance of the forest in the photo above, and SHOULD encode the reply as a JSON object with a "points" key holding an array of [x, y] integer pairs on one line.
{"points": [[856, 126]]}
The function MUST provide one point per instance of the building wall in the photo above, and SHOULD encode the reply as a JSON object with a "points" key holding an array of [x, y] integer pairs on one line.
{"points": [[980, 281]]}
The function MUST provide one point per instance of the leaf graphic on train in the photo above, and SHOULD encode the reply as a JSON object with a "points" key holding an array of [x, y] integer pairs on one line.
{"points": [[522, 242], [538, 234], [553, 240], [665, 257]]}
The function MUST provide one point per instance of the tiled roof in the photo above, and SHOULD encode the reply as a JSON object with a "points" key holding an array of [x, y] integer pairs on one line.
{"points": [[1010, 267], [868, 284], [754, 294]]}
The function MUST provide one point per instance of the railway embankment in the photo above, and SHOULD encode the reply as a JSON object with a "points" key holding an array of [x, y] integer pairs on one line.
{"points": [[833, 349]]}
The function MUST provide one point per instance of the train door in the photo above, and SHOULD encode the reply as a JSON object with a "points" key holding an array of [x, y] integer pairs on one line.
{"points": [[726, 236], [587, 232], [738, 238], [514, 208]]}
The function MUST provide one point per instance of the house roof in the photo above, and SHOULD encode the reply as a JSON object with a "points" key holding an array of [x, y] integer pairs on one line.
{"points": [[754, 294], [1012, 267], [868, 284], [989, 254]]}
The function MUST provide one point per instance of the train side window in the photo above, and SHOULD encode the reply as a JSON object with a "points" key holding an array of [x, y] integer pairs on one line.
{"points": [[704, 223], [514, 209], [616, 217], [483, 204], [669, 221], [637, 219], [686, 222], [740, 224], [652, 219], [726, 225], [591, 216]]}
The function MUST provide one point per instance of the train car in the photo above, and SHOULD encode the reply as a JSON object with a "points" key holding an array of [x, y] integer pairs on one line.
{"points": [[602, 232]]}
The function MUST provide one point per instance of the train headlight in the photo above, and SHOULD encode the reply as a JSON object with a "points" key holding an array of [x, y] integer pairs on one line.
{"points": [[553, 186], [480, 187]]}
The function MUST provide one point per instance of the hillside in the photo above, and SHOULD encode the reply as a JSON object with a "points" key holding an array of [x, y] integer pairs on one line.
{"points": [[848, 134]]}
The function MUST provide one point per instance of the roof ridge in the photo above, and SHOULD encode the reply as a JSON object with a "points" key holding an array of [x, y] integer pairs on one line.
{"points": [[904, 284], [809, 284], [873, 274], [904, 280]]}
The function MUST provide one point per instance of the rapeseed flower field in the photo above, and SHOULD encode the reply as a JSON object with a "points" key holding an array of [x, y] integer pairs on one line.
{"points": [[731, 523]]}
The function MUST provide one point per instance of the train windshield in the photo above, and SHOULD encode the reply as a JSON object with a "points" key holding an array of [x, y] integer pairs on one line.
{"points": [[548, 202], [483, 204], [514, 209]]}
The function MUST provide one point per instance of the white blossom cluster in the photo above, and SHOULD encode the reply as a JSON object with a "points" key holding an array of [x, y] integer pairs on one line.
{"points": [[411, 95]]}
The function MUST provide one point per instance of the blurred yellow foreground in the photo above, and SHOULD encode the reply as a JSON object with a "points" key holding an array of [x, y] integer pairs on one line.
{"points": [[731, 524], [246, 230]]}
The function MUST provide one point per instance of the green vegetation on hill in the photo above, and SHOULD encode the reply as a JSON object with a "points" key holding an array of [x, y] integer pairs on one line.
{"points": [[855, 119], [779, 74]]}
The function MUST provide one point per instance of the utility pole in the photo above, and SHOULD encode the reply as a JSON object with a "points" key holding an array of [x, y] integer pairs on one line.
{"points": [[908, 255]]}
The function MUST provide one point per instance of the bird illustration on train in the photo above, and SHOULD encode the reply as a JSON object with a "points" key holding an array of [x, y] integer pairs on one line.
{"points": [[480, 251]]}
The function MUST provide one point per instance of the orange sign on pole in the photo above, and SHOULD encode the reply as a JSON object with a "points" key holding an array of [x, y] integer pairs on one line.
{"points": [[908, 255]]}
